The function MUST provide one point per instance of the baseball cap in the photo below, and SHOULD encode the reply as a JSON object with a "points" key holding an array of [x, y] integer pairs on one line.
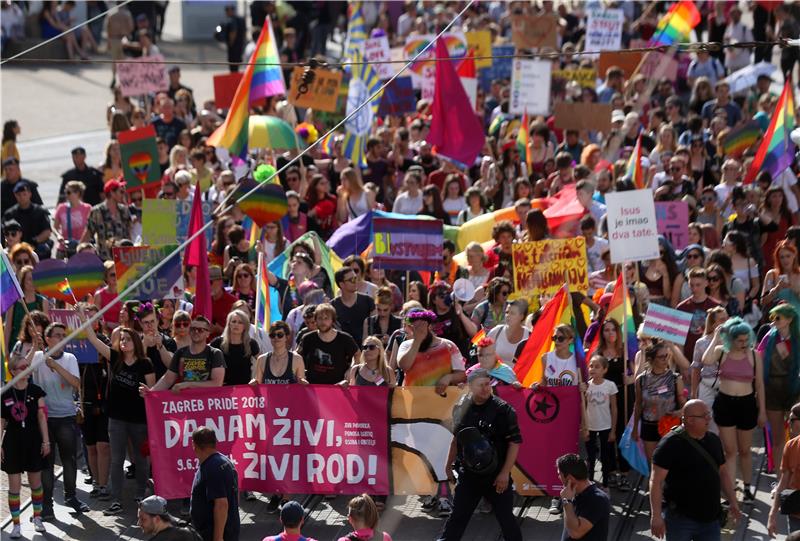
{"points": [[292, 513], [174, 67], [78, 150], [112, 185], [21, 185], [617, 115], [155, 505], [11, 225], [476, 374]]}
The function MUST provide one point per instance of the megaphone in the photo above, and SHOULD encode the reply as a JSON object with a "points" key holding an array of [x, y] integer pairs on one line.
{"points": [[463, 290]]}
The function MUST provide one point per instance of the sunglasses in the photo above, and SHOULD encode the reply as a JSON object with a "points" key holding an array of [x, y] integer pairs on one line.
{"points": [[713, 278], [199, 329], [675, 168], [22, 262], [504, 292], [559, 338], [244, 275], [352, 280], [180, 324], [276, 335], [369, 347], [14, 232]]}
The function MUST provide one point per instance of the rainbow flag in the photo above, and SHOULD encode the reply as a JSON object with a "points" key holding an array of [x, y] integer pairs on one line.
{"points": [[621, 298], [356, 34], [740, 139], [480, 335], [267, 306], [326, 145], [10, 290], [676, 25], [523, 140], [267, 74], [5, 373], [234, 132], [64, 288], [529, 367], [776, 151], [363, 84], [634, 169]]}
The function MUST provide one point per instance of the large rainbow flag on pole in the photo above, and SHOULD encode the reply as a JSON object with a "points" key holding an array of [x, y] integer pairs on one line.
{"points": [[624, 316], [634, 169], [676, 25], [267, 307], [10, 290], [558, 310], [776, 151], [262, 78]]}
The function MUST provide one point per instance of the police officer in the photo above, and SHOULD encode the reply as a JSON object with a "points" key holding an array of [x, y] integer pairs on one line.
{"points": [[483, 451]]}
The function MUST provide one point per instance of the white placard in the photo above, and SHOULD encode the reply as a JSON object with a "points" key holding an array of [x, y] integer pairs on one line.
{"points": [[632, 229], [604, 30], [377, 50], [470, 85], [428, 82], [530, 87]]}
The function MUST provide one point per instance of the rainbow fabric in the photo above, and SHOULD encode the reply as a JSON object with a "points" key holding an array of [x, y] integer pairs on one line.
{"points": [[740, 139], [10, 291], [266, 131], [356, 33], [430, 366], [64, 288], [634, 169], [676, 25], [265, 205], [267, 304], [267, 74], [234, 132], [776, 151], [326, 145], [529, 367], [621, 311], [480, 335], [523, 140], [84, 270], [364, 83]]}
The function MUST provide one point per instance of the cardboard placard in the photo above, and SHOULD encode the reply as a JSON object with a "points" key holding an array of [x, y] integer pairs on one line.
{"points": [[673, 222], [622, 59], [137, 76], [322, 93], [541, 267], [604, 30], [480, 41], [535, 31], [667, 323], [225, 85], [139, 154], [79, 346], [583, 116], [377, 50], [632, 229], [586, 77]]}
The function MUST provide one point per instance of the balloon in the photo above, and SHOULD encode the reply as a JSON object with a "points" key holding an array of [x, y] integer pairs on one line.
{"points": [[265, 171]]}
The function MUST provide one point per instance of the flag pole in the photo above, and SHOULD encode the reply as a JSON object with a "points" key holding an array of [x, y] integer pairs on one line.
{"points": [[625, 353], [258, 287]]}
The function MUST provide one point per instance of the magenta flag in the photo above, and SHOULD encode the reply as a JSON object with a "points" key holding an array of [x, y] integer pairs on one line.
{"points": [[456, 131], [291, 439], [197, 256], [548, 414]]}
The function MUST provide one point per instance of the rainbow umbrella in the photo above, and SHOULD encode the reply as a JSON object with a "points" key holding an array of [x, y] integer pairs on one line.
{"points": [[271, 132]]}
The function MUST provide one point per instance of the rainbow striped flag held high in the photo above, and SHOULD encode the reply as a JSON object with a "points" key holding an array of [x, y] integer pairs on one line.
{"points": [[634, 169], [326, 145], [558, 310], [523, 140], [267, 306], [10, 290], [363, 84], [356, 34], [776, 151], [619, 298], [676, 25], [740, 139], [258, 82]]}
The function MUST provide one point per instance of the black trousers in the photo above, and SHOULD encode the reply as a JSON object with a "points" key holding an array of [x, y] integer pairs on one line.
{"points": [[468, 493]]}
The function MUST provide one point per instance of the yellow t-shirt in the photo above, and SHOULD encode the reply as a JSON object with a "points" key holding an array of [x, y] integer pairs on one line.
{"points": [[9, 151]]}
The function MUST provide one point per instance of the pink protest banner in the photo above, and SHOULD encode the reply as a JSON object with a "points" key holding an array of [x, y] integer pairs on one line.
{"points": [[672, 221], [296, 439], [137, 76]]}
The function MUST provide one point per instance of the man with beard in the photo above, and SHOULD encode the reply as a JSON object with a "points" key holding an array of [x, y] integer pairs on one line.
{"points": [[326, 352]]}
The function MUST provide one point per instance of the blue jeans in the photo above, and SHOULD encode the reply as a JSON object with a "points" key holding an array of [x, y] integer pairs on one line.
{"points": [[682, 528]]}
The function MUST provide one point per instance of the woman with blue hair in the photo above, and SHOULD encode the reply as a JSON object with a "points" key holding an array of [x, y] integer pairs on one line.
{"points": [[780, 349], [739, 405]]}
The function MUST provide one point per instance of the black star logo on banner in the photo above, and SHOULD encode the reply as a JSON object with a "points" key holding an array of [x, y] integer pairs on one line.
{"points": [[543, 406]]}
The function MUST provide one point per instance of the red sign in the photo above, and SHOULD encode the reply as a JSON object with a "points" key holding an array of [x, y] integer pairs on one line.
{"points": [[225, 86]]}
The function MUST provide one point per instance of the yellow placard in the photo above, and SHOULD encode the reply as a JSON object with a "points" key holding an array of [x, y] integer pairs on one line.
{"points": [[541, 268], [481, 42], [586, 77]]}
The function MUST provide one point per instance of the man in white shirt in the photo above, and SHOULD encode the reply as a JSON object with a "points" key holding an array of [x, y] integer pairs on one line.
{"points": [[736, 32], [58, 376], [410, 199], [731, 177]]}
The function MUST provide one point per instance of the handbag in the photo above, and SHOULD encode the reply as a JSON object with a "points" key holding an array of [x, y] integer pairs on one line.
{"points": [[790, 502]]}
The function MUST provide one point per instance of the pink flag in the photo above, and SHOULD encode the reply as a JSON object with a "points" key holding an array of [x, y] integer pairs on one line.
{"points": [[456, 131], [197, 256]]}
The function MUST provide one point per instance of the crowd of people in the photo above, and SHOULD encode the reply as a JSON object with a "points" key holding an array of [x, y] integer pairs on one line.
{"points": [[738, 276]]}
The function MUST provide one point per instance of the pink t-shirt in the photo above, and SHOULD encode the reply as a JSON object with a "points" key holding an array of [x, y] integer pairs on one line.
{"points": [[79, 217], [366, 534]]}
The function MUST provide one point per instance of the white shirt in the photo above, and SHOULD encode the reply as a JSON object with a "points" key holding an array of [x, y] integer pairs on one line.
{"points": [[560, 372], [598, 405], [723, 191], [405, 204], [786, 180], [502, 346], [735, 58], [60, 399], [594, 254], [453, 206]]}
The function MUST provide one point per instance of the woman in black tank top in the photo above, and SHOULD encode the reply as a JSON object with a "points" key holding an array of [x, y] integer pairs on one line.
{"points": [[280, 366], [372, 368]]}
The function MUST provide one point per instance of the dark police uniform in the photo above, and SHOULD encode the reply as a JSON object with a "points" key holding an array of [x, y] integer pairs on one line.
{"points": [[497, 422]]}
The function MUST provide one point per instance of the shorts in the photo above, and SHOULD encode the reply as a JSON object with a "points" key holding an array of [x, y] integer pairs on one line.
{"points": [[735, 411], [115, 48], [95, 428], [22, 451], [777, 394], [649, 431]]}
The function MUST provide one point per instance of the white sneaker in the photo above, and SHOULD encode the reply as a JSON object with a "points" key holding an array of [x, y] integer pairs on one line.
{"points": [[16, 532], [38, 525]]}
